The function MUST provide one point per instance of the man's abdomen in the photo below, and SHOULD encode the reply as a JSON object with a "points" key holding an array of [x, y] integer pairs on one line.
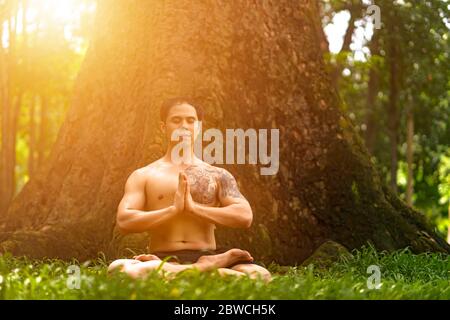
{"points": [[183, 233]]}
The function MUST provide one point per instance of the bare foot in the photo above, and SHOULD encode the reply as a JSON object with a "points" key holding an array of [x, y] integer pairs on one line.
{"points": [[224, 260], [146, 257]]}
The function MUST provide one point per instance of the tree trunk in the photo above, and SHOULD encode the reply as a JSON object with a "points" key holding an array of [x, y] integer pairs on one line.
{"points": [[372, 94], [321, 36], [32, 138], [6, 111], [409, 155], [252, 65], [392, 105], [8, 151], [43, 130], [13, 142]]}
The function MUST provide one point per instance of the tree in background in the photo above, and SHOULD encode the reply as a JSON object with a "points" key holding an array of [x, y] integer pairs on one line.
{"points": [[251, 65], [397, 93], [38, 66]]}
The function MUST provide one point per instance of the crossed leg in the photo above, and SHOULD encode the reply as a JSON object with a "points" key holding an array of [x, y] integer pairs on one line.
{"points": [[253, 271], [143, 264]]}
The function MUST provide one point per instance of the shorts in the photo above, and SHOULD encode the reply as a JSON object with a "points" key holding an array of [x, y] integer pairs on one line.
{"points": [[191, 256]]}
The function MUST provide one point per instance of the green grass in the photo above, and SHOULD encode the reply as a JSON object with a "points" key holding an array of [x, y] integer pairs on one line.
{"points": [[403, 276]]}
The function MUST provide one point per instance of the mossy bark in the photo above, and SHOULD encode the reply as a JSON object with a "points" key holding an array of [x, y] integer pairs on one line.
{"points": [[252, 64]]}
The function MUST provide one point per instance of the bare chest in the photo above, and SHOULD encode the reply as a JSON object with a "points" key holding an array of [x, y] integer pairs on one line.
{"points": [[161, 188]]}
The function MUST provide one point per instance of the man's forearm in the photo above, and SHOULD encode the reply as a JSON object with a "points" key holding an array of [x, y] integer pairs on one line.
{"points": [[134, 221], [234, 216]]}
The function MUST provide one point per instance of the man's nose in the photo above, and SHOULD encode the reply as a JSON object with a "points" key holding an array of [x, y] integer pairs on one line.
{"points": [[184, 124]]}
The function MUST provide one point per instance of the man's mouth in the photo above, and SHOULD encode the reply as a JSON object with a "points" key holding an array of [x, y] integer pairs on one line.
{"points": [[185, 134]]}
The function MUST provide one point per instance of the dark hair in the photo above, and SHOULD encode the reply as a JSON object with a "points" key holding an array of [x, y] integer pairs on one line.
{"points": [[172, 102]]}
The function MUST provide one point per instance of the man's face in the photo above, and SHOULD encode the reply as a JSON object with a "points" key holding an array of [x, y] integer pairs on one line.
{"points": [[183, 118]]}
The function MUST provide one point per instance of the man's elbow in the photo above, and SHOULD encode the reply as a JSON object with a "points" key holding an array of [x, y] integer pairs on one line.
{"points": [[122, 229], [247, 219], [247, 223], [122, 224]]}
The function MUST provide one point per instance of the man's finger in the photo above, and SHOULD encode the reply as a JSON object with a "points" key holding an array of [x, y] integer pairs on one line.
{"points": [[186, 180], [181, 183], [180, 180], [188, 188]]}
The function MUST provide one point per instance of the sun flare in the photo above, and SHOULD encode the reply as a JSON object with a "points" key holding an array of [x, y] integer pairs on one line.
{"points": [[52, 13], [64, 15]]}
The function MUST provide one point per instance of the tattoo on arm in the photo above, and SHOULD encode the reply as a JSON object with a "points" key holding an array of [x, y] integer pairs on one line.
{"points": [[228, 186]]}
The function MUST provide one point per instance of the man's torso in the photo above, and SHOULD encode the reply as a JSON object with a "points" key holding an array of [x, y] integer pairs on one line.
{"points": [[183, 231]]}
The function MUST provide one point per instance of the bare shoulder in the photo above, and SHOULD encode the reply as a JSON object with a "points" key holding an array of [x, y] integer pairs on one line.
{"points": [[153, 167], [227, 183], [218, 172], [147, 172]]}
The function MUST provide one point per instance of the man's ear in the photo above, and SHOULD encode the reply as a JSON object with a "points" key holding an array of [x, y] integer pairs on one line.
{"points": [[162, 126]]}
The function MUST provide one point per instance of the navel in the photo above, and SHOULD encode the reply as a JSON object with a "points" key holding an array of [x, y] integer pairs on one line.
{"points": [[160, 197]]}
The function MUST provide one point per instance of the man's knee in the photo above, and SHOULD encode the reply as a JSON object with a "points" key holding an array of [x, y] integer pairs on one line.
{"points": [[253, 270], [141, 269]]}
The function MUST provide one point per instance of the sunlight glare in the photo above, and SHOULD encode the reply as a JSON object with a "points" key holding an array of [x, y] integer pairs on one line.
{"points": [[64, 15]]}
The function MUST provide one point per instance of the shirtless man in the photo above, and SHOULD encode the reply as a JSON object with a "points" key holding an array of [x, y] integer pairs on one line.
{"points": [[180, 205]]}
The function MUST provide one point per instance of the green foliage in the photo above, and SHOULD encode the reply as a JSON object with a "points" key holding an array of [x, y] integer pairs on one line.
{"points": [[444, 176], [419, 33], [444, 191], [403, 276], [44, 64]]}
